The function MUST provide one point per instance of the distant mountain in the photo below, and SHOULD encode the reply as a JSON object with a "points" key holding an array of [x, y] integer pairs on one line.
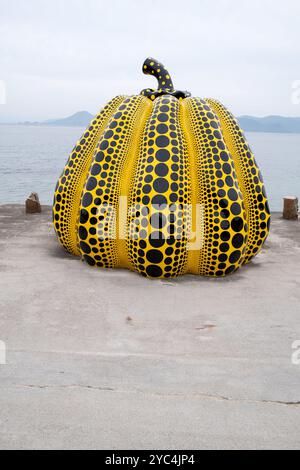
{"points": [[276, 124], [81, 118], [290, 125]]}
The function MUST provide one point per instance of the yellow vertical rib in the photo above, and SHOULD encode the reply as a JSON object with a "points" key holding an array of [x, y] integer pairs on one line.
{"points": [[223, 232], [70, 184], [98, 217], [126, 177], [160, 192], [191, 151], [249, 178]]}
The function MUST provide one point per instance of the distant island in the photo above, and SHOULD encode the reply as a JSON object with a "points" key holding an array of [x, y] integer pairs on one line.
{"points": [[276, 124], [80, 119]]}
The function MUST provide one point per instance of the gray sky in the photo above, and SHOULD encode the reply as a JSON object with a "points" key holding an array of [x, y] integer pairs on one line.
{"points": [[61, 56]]}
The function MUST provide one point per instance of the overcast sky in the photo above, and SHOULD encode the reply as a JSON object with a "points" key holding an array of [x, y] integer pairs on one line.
{"points": [[61, 56]]}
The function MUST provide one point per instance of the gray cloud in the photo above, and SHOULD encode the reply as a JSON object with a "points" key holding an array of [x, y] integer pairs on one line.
{"points": [[58, 57]]}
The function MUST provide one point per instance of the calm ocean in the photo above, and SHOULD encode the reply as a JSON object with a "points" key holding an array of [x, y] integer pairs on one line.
{"points": [[32, 158]]}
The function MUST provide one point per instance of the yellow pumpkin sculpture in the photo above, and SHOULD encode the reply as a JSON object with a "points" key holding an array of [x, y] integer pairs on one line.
{"points": [[163, 184]]}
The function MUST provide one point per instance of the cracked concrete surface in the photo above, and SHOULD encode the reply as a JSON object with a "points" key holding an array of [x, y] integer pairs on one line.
{"points": [[187, 395], [108, 359]]}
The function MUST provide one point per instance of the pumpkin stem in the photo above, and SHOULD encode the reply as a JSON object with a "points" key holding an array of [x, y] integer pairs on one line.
{"points": [[155, 68]]}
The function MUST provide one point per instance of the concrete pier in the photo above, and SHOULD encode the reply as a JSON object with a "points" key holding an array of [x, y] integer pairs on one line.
{"points": [[107, 359]]}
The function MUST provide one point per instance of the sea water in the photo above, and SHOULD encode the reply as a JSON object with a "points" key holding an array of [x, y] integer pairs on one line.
{"points": [[32, 158]]}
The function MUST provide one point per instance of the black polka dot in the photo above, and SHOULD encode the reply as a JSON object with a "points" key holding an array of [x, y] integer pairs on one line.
{"points": [[237, 224], [237, 240], [82, 232], [162, 141], [159, 200], [224, 247], [156, 239], [225, 224], [224, 213], [87, 199], [84, 216], [104, 145], [229, 270], [162, 128], [232, 194], [225, 236], [162, 117], [99, 157], [158, 220], [162, 155], [226, 168], [161, 185], [224, 156], [235, 208], [153, 270], [85, 247], [235, 256], [91, 184], [89, 260], [229, 181], [146, 189], [142, 244], [95, 170], [154, 256], [108, 134], [161, 169], [223, 203]]}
